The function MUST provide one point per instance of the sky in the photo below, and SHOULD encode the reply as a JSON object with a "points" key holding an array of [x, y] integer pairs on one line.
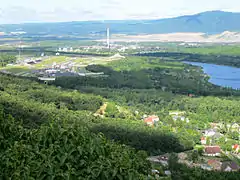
{"points": [[22, 11]]}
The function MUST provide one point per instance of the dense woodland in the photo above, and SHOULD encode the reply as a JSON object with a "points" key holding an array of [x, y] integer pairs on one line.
{"points": [[149, 73], [42, 140], [6, 59], [50, 131], [214, 58]]}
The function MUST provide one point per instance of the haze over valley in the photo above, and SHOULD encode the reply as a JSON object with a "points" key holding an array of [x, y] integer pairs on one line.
{"points": [[120, 90]]}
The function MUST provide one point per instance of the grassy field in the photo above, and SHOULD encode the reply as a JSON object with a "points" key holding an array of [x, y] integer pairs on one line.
{"points": [[17, 69], [221, 50], [46, 63], [57, 43], [50, 61], [136, 63]]}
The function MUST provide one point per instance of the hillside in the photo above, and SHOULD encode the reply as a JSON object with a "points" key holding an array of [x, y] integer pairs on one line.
{"points": [[224, 37], [51, 131], [212, 22]]}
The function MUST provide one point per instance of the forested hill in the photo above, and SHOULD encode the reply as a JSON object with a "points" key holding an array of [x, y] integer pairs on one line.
{"points": [[212, 22], [60, 131]]}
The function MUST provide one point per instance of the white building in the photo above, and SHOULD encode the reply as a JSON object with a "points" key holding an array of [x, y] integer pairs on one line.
{"points": [[210, 133], [51, 71]]}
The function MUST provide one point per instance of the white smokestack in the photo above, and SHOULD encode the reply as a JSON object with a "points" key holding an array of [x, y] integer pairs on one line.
{"points": [[108, 37]]}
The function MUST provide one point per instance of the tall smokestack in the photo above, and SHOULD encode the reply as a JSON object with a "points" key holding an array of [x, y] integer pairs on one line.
{"points": [[19, 50], [108, 38]]}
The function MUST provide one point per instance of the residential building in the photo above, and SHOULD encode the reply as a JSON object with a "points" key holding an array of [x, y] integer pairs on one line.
{"points": [[51, 71], [206, 167], [235, 127], [215, 164], [210, 132], [230, 166], [203, 140], [212, 151], [236, 148], [159, 159], [151, 120], [177, 113]]}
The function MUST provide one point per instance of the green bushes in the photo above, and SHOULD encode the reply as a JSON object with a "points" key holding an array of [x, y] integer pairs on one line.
{"points": [[6, 59], [64, 151], [28, 89], [136, 135]]}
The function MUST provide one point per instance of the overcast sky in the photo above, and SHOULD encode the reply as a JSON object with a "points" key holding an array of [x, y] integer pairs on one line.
{"points": [[20, 11]]}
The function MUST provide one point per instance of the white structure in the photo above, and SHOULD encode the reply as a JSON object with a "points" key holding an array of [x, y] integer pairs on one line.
{"points": [[235, 127], [117, 56], [177, 113], [46, 79], [51, 71], [210, 133], [108, 38], [203, 140], [18, 32]]}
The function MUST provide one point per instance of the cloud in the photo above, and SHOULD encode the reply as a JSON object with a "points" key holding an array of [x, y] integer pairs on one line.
{"points": [[14, 11], [18, 14]]}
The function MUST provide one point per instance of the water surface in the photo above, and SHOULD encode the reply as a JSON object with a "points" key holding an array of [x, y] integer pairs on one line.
{"points": [[220, 75]]}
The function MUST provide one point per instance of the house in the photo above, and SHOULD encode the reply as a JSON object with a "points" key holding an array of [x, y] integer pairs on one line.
{"points": [[214, 164], [182, 156], [230, 166], [177, 113], [203, 140], [168, 173], [235, 127], [210, 132], [151, 120], [212, 151], [206, 167], [182, 118], [216, 125], [236, 148], [191, 95], [51, 71], [163, 160]]}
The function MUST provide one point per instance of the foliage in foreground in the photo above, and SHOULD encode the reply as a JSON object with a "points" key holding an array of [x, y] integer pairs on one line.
{"points": [[64, 151], [35, 104]]}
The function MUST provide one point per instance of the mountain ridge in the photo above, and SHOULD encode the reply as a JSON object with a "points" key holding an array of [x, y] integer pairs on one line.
{"points": [[209, 22]]}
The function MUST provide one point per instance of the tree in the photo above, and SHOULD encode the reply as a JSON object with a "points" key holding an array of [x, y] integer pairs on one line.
{"points": [[7, 59]]}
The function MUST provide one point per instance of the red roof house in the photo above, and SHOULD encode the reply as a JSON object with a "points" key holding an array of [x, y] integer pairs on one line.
{"points": [[215, 164], [236, 147], [151, 120], [212, 151]]}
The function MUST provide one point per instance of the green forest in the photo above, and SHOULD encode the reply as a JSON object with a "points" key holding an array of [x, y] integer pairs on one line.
{"points": [[6, 59], [51, 131], [195, 56]]}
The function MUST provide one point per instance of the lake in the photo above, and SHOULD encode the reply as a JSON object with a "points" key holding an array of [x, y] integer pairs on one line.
{"points": [[220, 75]]}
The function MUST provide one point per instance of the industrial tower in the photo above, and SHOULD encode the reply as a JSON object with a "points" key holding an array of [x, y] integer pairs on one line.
{"points": [[19, 50], [108, 38]]}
